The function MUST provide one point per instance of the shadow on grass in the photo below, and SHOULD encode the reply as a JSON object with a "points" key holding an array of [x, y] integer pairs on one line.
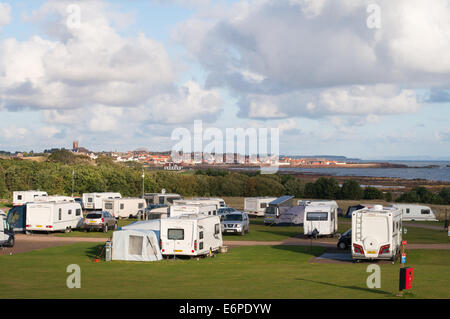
{"points": [[376, 291], [95, 251]]}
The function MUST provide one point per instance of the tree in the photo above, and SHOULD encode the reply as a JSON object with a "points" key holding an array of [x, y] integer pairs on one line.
{"points": [[444, 194], [351, 190], [372, 193]]}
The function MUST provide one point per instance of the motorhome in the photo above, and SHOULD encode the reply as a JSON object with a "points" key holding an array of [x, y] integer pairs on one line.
{"points": [[320, 219], [94, 201], [23, 197], [273, 212], [416, 212], [188, 207], [6, 231], [376, 233], [17, 218], [124, 207], [257, 206], [161, 198], [190, 235], [291, 216], [53, 216]]}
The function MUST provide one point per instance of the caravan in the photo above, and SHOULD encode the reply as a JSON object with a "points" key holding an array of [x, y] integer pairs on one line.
{"points": [[416, 212], [53, 216], [161, 198], [219, 202], [94, 201], [190, 235], [321, 219], [257, 206], [23, 197], [124, 207], [191, 207], [376, 233], [6, 231]]}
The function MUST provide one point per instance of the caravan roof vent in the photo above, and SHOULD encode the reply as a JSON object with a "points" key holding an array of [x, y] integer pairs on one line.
{"points": [[377, 207]]}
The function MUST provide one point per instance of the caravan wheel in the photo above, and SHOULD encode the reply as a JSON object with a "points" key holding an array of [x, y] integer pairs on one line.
{"points": [[105, 228], [68, 230]]}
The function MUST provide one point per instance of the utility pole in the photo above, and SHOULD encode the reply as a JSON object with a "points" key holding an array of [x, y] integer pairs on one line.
{"points": [[143, 184], [73, 181]]}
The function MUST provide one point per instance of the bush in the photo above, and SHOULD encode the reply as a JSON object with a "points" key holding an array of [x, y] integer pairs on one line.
{"points": [[372, 193], [351, 190]]}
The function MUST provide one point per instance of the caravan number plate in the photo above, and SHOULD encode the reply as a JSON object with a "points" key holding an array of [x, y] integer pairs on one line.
{"points": [[178, 251], [38, 225], [371, 252]]}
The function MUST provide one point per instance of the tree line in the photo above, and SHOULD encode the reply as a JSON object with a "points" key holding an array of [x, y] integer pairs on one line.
{"points": [[55, 177]]}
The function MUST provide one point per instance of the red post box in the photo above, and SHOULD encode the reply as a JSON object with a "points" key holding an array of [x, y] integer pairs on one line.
{"points": [[406, 278]]}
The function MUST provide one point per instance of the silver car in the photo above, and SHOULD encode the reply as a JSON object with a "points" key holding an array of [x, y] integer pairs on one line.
{"points": [[236, 222]]}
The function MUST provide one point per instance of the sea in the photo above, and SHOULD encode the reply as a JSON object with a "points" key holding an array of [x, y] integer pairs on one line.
{"points": [[417, 170]]}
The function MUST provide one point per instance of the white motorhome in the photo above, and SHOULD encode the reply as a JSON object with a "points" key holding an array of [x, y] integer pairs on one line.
{"points": [[257, 206], [376, 233], [416, 212], [53, 216], [190, 235], [22, 197], [188, 207], [94, 201], [161, 198], [320, 219], [124, 207]]}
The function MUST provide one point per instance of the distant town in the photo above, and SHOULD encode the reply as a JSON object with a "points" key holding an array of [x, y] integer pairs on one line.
{"points": [[165, 160]]}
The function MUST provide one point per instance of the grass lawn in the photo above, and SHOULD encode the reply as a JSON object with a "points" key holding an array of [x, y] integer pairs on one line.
{"points": [[245, 272]]}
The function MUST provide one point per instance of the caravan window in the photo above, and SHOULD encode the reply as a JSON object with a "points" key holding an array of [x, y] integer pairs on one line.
{"points": [[161, 200], [407, 210], [90, 199], [263, 205], [317, 216], [135, 245], [19, 197], [108, 205], [141, 205], [216, 229], [175, 234], [425, 211], [60, 214], [200, 235], [78, 212], [70, 212], [122, 206]]}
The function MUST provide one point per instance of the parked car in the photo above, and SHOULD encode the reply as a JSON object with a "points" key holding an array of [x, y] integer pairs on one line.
{"points": [[345, 240], [6, 231], [236, 222], [225, 210], [99, 221]]}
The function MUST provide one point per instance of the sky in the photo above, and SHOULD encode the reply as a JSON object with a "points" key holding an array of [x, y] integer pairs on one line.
{"points": [[356, 78]]}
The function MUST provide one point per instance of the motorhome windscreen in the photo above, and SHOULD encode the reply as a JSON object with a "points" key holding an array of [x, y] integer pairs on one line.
{"points": [[93, 216], [175, 234], [317, 216], [271, 210], [233, 217]]}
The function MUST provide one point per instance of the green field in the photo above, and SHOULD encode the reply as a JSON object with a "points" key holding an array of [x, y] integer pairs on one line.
{"points": [[245, 272]]}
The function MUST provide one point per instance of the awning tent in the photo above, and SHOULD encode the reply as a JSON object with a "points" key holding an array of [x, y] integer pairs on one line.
{"points": [[136, 245], [154, 225]]}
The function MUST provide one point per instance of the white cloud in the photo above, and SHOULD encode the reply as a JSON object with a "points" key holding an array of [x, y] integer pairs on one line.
{"points": [[5, 14]]}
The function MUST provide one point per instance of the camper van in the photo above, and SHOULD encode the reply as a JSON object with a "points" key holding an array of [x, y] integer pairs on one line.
{"points": [[188, 207], [416, 212], [190, 235], [124, 207], [94, 201], [6, 231], [320, 219], [257, 206], [53, 216], [376, 233], [23, 197], [161, 198], [273, 212], [16, 218]]}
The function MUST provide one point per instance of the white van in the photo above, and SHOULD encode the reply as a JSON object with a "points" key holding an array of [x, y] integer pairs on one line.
{"points": [[416, 212], [376, 233], [53, 216], [94, 201], [187, 207], [190, 235], [320, 219], [22, 197], [257, 206], [124, 207]]}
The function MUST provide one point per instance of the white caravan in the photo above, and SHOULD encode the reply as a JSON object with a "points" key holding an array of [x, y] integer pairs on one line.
{"points": [[161, 198], [219, 202], [190, 235], [320, 219], [124, 207], [257, 205], [94, 201], [416, 212], [376, 233], [307, 202], [188, 207], [53, 216], [22, 197], [157, 213], [54, 198]]}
